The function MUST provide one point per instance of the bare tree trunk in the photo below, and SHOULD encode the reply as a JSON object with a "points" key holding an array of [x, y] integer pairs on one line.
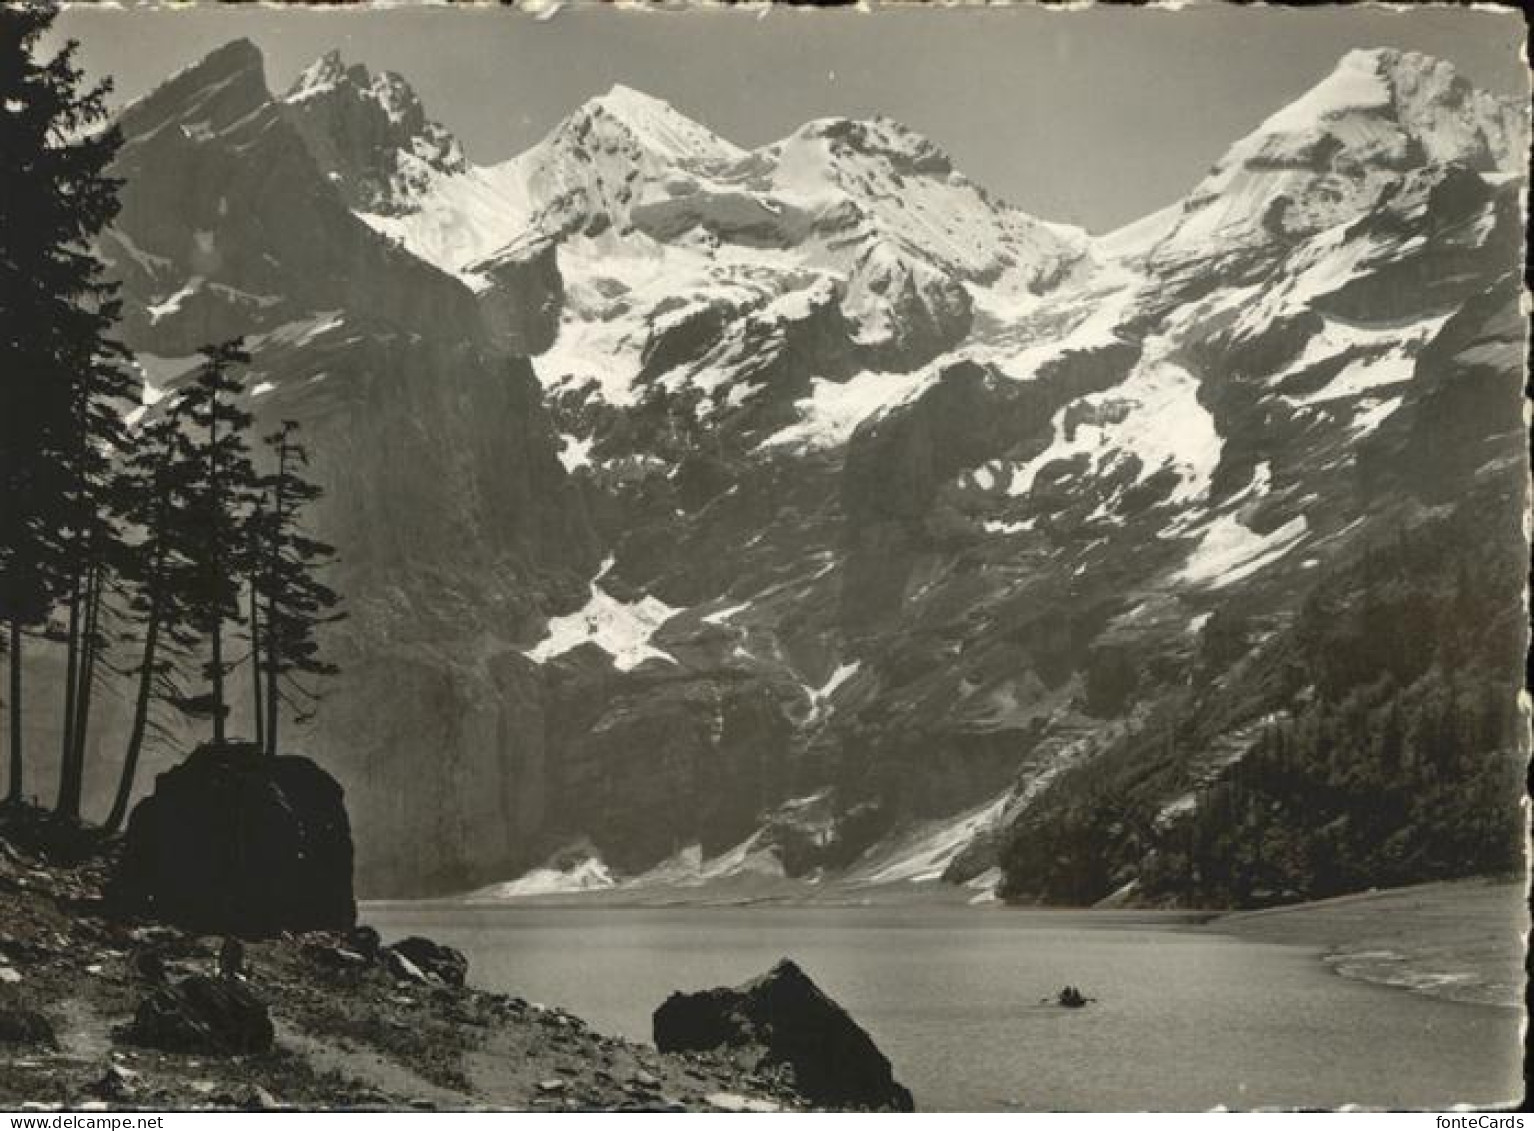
{"points": [[14, 794], [271, 708], [273, 656], [140, 712], [257, 705], [217, 638], [90, 647], [272, 685], [218, 518], [67, 807]]}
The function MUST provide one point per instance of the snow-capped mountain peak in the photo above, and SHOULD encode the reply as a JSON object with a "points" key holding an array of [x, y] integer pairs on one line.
{"points": [[656, 125], [1324, 157], [1390, 106], [588, 173]]}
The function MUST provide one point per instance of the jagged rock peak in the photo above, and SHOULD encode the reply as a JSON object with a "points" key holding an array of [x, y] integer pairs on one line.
{"points": [[323, 75], [878, 136], [330, 75], [370, 133]]}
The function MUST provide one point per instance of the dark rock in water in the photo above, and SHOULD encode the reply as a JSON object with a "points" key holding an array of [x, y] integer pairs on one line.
{"points": [[783, 1018], [204, 1015], [25, 1027], [445, 964], [235, 842]]}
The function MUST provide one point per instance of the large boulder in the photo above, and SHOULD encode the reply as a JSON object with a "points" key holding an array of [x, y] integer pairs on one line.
{"points": [[233, 841], [434, 960], [783, 1018], [202, 1015]]}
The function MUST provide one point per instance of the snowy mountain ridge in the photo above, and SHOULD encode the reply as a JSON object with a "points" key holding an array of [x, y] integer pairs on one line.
{"points": [[634, 195], [840, 508], [1329, 154]]}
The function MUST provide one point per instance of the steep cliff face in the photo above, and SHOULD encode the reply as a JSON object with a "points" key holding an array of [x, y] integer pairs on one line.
{"points": [[842, 508], [228, 226], [453, 518]]}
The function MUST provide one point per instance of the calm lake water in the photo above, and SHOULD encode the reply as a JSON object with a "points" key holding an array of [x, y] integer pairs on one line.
{"points": [[1187, 1019]]}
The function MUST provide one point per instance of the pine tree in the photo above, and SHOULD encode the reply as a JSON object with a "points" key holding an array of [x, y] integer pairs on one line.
{"points": [[94, 550], [57, 364], [259, 536], [219, 490], [294, 602], [154, 500]]}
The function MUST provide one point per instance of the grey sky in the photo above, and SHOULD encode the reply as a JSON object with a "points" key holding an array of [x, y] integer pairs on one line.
{"points": [[1092, 117]]}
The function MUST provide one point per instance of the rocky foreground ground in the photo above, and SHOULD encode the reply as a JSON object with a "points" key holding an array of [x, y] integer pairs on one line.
{"points": [[353, 1028]]}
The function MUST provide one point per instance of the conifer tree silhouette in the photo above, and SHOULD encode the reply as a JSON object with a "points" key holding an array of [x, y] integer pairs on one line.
{"points": [[294, 601], [60, 370], [218, 491]]}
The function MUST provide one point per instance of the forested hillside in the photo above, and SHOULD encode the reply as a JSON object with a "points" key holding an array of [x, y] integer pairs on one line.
{"points": [[1388, 747]]}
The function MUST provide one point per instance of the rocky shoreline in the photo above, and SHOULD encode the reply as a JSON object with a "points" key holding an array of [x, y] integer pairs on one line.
{"points": [[352, 1024], [352, 1030]]}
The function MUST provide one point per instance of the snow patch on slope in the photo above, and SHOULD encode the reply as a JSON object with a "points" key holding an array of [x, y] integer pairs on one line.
{"points": [[1372, 413], [1154, 416], [1337, 337], [925, 855], [821, 696], [1138, 236], [834, 409], [752, 857], [1230, 551], [585, 874], [575, 452], [621, 630], [719, 616], [985, 886], [463, 219], [172, 303], [1083, 319]]}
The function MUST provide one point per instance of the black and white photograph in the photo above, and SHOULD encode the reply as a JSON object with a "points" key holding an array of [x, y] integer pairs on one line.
{"points": [[677, 557]]}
